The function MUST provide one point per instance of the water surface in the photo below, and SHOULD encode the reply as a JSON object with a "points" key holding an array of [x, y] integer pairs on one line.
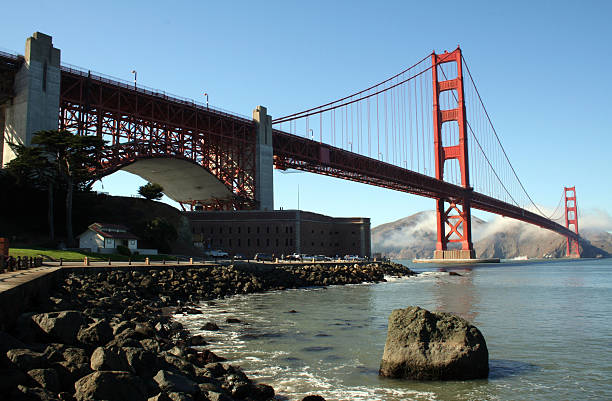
{"points": [[546, 325]]}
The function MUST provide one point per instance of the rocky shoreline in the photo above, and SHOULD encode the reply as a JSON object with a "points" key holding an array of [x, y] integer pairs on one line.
{"points": [[106, 334]]}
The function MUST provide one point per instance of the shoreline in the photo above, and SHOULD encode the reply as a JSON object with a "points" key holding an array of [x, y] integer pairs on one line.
{"points": [[104, 332]]}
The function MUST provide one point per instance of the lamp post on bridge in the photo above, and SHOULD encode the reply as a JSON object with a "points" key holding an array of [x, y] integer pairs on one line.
{"points": [[206, 94], [311, 134], [135, 76], [351, 145]]}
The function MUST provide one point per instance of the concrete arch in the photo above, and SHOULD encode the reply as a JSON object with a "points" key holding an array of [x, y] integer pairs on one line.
{"points": [[183, 181]]}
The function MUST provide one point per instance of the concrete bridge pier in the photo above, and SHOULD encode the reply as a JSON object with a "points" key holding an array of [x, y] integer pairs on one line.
{"points": [[264, 185], [35, 106]]}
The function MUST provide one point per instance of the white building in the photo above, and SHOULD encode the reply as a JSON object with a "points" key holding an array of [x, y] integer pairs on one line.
{"points": [[104, 238]]}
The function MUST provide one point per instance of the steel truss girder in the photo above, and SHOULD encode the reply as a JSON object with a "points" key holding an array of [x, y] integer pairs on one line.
{"points": [[139, 125], [293, 152]]}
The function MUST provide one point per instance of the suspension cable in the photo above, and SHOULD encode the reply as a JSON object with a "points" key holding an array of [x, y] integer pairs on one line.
{"points": [[498, 140]]}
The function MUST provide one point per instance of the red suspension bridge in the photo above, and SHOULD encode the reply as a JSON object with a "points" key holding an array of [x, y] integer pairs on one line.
{"points": [[424, 131]]}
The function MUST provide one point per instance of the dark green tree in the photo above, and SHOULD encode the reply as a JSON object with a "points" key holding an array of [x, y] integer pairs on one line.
{"points": [[32, 168], [151, 191], [159, 233], [73, 159]]}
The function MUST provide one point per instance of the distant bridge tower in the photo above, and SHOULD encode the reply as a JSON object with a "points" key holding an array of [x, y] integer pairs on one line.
{"points": [[571, 219], [35, 105], [456, 215]]}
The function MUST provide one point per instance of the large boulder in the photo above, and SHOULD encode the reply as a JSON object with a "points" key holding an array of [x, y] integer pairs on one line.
{"points": [[424, 345], [169, 381], [107, 385], [61, 326]]}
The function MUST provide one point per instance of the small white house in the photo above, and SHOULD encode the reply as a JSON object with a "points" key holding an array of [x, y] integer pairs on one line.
{"points": [[104, 238]]}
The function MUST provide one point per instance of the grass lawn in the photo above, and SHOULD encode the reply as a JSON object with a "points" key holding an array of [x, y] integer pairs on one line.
{"points": [[56, 254]]}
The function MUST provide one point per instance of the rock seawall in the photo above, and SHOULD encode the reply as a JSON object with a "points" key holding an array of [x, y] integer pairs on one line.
{"points": [[106, 334]]}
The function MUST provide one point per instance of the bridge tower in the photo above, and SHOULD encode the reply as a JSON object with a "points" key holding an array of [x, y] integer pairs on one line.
{"points": [[35, 105], [571, 219], [456, 216]]}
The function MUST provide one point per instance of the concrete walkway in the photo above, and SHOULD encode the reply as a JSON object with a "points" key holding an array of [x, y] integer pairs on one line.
{"points": [[10, 280]]}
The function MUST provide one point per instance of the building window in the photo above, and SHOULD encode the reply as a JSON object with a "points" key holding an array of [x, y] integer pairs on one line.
{"points": [[229, 242], [257, 229], [286, 241], [312, 232], [238, 241], [277, 229], [248, 242], [277, 242], [220, 230], [257, 241], [230, 230], [212, 230], [286, 230], [353, 244], [291, 241], [267, 230], [268, 242], [312, 244], [238, 230], [291, 229], [248, 229]]}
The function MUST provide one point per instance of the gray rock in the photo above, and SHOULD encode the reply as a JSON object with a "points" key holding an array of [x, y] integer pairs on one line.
{"points": [[98, 333], [28, 393], [108, 385], [70, 372], [210, 326], [61, 326], [313, 398], [174, 396], [104, 358], [121, 326], [76, 356], [139, 361], [169, 381], [217, 396], [197, 340], [425, 345], [26, 359], [46, 378], [179, 364], [150, 344]]}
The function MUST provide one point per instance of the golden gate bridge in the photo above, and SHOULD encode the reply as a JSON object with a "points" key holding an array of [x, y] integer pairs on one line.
{"points": [[423, 131]]}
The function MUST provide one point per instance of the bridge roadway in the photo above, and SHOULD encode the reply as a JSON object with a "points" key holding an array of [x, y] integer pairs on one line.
{"points": [[290, 151]]}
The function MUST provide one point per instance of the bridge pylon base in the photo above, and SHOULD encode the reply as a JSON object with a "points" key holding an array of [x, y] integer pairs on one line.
{"points": [[455, 254]]}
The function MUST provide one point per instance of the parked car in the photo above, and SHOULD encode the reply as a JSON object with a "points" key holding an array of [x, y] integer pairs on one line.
{"points": [[294, 256], [263, 256], [216, 253], [239, 256]]}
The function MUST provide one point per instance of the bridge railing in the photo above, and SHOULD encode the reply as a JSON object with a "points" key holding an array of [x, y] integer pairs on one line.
{"points": [[73, 69]]}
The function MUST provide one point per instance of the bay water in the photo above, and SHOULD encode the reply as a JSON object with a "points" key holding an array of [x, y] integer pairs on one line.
{"points": [[547, 325]]}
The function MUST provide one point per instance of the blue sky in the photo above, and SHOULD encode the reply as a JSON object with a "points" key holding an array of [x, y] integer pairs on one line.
{"points": [[541, 66]]}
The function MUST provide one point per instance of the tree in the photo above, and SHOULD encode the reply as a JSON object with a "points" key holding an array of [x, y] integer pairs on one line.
{"points": [[31, 167], [74, 157], [151, 191], [160, 234]]}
